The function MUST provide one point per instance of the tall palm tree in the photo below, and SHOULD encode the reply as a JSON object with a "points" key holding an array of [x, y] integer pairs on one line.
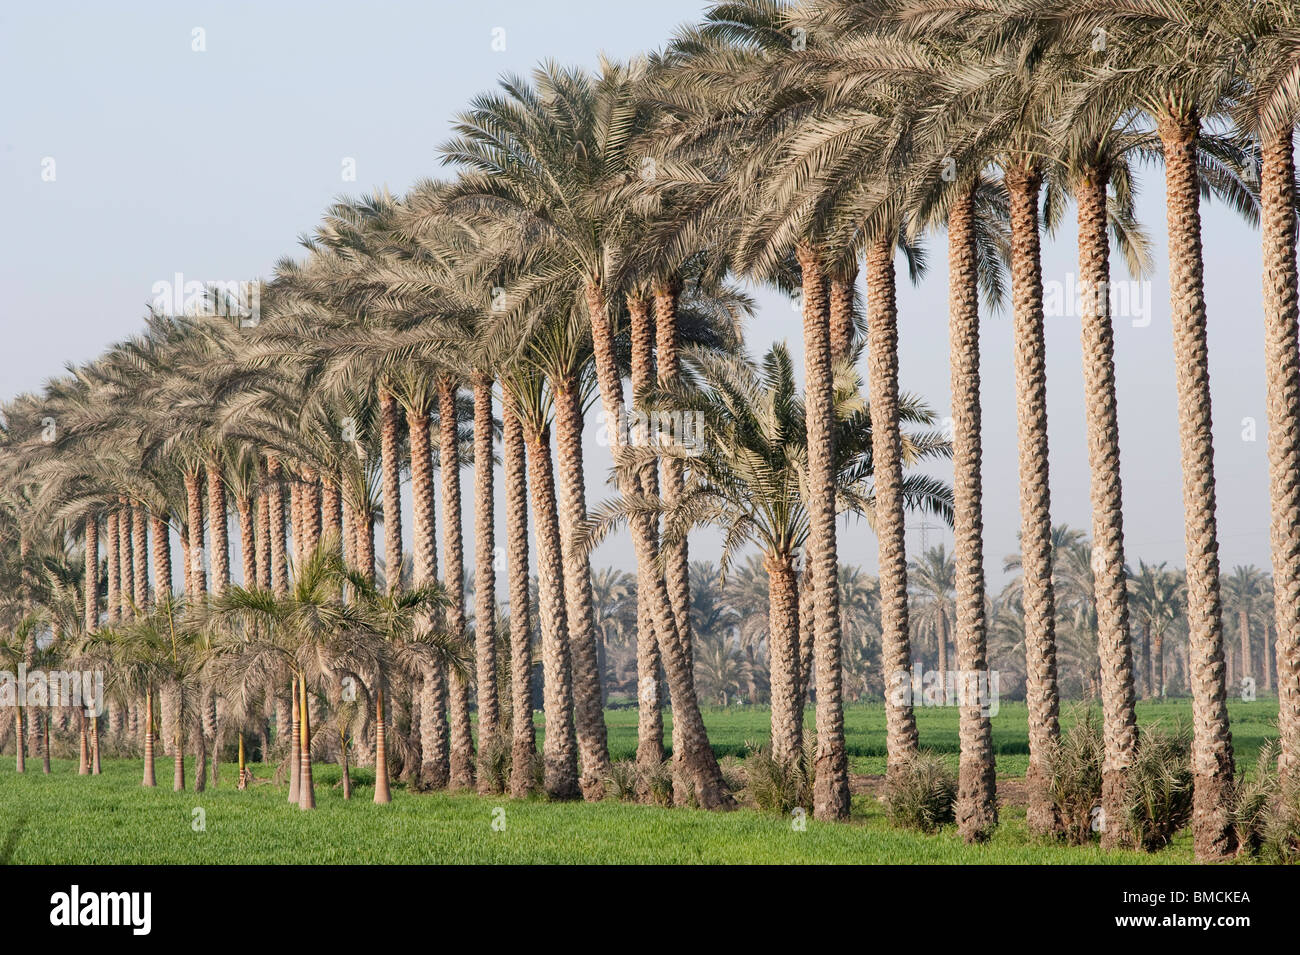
{"points": [[538, 170]]}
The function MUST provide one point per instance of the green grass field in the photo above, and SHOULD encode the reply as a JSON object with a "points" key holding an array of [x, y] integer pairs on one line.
{"points": [[66, 818]]}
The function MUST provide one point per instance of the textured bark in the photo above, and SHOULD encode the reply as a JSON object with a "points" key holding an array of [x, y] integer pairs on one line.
{"points": [[698, 757], [112, 555], [247, 543], [162, 557], [125, 558], [331, 511], [391, 467], [977, 809], [589, 715], [676, 556], [843, 331], [523, 745], [193, 543], [1277, 194], [1030, 356], [1212, 761], [365, 534], [309, 511], [453, 558], [218, 526], [1115, 650], [20, 742], [349, 533], [485, 577], [650, 714], [435, 770], [807, 639], [560, 744], [263, 541], [140, 545], [783, 651], [91, 606], [279, 547], [887, 458]]}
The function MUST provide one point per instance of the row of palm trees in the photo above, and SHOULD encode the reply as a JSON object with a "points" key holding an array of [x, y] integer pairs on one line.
{"points": [[589, 235]]}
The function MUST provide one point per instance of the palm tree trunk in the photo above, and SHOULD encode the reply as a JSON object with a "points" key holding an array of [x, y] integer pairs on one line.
{"points": [[162, 557], [306, 790], [593, 746], [1041, 691], [113, 556], [391, 467], [677, 565], [1277, 199], [279, 546], [560, 743], [218, 526], [453, 558], [1243, 626], [150, 779], [20, 742], [434, 769], [886, 441], [197, 582], [523, 747], [783, 651], [331, 506], [178, 743], [263, 541], [485, 578], [697, 755], [1115, 649], [807, 639], [309, 505], [382, 794], [94, 748], [977, 810], [295, 742], [650, 715], [83, 767], [125, 558], [247, 543], [843, 331], [140, 544], [45, 742], [1212, 760], [91, 588]]}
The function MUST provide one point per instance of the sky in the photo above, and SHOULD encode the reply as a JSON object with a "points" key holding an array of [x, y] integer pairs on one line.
{"points": [[140, 141]]}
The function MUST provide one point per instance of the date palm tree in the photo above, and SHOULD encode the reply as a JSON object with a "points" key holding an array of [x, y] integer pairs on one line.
{"points": [[538, 155], [749, 475]]}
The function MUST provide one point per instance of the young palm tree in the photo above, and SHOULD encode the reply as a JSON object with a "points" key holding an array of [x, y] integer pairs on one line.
{"points": [[750, 477]]}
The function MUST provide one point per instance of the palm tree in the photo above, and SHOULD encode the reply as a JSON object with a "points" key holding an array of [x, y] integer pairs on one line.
{"points": [[1178, 63], [539, 172], [1156, 596], [1243, 593], [932, 579], [750, 477]]}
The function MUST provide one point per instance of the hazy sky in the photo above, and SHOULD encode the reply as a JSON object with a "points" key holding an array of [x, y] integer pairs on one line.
{"points": [[140, 140]]}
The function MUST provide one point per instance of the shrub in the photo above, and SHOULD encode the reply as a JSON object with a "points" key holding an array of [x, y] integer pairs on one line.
{"points": [[1073, 768], [1158, 799], [922, 794], [1266, 811], [781, 785], [494, 762]]}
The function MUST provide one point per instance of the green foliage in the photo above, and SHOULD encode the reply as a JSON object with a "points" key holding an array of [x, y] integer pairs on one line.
{"points": [[922, 795], [1074, 777], [1266, 811], [781, 785]]}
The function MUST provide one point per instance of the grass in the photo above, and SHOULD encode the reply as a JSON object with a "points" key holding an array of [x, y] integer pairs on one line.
{"points": [[66, 818]]}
